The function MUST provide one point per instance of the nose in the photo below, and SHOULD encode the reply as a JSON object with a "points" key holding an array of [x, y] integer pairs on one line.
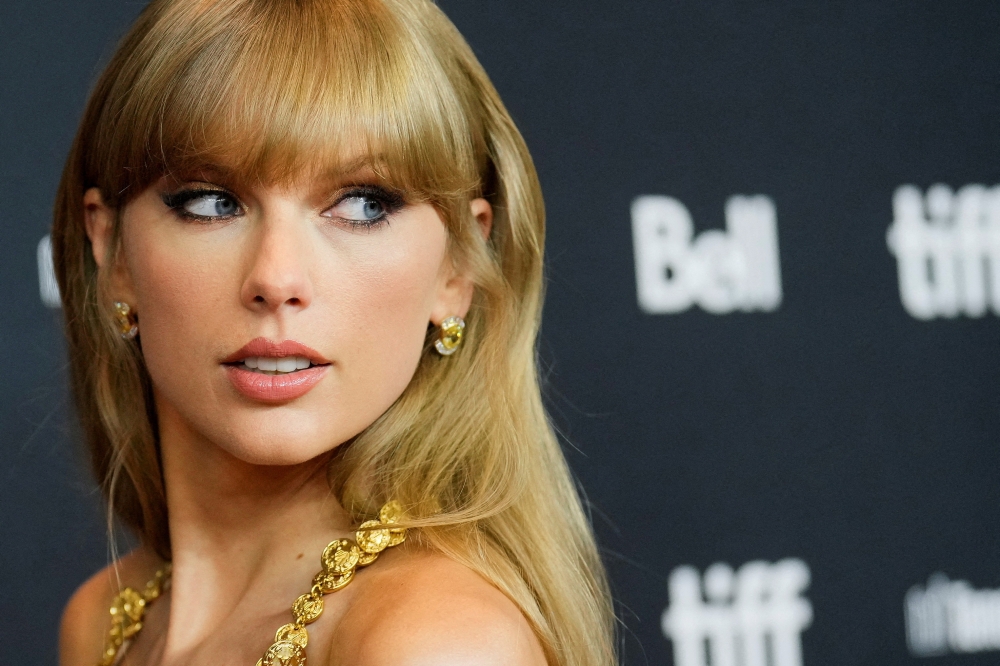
{"points": [[278, 275]]}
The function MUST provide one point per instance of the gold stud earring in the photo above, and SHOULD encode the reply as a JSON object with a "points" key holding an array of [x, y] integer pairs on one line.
{"points": [[128, 325], [450, 336]]}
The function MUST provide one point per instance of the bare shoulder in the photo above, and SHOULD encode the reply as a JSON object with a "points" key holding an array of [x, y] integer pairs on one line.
{"points": [[422, 608], [86, 620]]}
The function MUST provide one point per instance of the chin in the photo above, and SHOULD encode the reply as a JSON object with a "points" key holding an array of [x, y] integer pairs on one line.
{"points": [[275, 444]]}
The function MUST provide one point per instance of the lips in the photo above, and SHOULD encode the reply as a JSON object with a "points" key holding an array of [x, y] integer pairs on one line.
{"points": [[275, 372], [263, 347]]}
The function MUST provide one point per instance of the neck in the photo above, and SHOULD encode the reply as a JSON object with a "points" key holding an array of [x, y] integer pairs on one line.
{"points": [[242, 535]]}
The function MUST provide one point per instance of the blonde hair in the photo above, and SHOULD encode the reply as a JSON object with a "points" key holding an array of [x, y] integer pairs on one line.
{"points": [[276, 89]]}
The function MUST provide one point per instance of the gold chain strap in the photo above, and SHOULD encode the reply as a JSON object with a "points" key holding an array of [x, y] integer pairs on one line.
{"points": [[340, 559], [127, 611]]}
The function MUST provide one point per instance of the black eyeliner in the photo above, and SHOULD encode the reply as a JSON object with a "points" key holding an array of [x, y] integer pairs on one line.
{"points": [[391, 199], [176, 200]]}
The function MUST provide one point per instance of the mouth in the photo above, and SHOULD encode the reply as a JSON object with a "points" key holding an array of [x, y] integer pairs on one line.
{"points": [[270, 365], [275, 372]]}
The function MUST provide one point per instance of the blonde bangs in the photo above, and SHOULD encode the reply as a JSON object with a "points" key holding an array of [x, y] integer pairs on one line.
{"points": [[268, 92]]}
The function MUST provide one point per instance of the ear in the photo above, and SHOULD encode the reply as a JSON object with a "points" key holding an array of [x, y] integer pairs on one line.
{"points": [[483, 212], [455, 296], [99, 220]]}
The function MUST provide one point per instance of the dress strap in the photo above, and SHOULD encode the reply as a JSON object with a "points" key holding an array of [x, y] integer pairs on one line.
{"points": [[127, 610]]}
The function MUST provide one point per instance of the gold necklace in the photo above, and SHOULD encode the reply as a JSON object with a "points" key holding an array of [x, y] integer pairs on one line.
{"points": [[127, 610], [340, 560]]}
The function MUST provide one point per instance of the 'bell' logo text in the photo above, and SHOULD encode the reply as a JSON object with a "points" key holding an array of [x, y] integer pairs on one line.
{"points": [[721, 271]]}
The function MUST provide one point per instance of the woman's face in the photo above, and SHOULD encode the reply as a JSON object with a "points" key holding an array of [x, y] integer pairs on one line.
{"points": [[278, 322]]}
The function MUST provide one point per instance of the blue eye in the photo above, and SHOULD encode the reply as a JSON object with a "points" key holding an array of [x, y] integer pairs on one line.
{"points": [[212, 205], [366, 206], [359, 209], [203, 204]]}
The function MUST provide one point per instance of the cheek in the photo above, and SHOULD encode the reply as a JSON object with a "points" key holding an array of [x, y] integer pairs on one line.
{"points": [[185, 294], [383, 299]]}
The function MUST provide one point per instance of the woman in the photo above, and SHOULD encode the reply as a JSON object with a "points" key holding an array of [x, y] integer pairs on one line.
{"points": [[299, 244]]}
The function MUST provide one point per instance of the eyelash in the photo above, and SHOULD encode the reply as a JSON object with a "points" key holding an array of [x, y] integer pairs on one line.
{"points": [[390, 201], [177, 200]]}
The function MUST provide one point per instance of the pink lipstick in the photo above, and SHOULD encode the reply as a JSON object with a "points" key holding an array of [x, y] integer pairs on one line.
{"points": [[275, 372]]}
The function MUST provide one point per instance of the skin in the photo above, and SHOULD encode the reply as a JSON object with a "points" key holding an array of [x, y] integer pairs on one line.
{"points": [[249, 506]]}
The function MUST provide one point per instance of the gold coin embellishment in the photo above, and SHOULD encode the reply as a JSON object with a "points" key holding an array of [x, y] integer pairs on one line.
{"points": [[341, 556], [331, 582], [290, 632], [155, 587], [372, 540], [367, 558], [397, 536], [284, 653], [127, 610], [391, 512], [128, 604], [307, 608]]}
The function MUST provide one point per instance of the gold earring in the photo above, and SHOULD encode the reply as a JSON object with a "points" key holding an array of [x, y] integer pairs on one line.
{"points": [[450, 336], [128, 325]]}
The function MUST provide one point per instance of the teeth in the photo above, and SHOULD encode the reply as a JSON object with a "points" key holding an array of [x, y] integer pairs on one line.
{"points": [[274, 366]]}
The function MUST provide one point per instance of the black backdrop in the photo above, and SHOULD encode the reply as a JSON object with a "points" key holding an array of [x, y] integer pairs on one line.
{"points": [[836, 429]]}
